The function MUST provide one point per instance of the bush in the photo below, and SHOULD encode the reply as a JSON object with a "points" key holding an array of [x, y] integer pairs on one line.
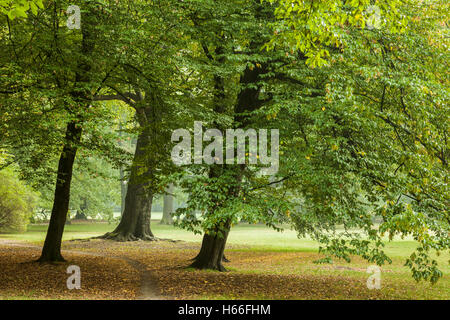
{"points": [[17, 202]]}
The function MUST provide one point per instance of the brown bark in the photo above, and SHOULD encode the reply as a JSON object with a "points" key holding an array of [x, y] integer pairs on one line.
{"points": [[51, 251], [135, 221], [211, 254]]}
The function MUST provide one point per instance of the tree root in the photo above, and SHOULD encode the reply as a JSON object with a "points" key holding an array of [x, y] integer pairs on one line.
{"points": [[120, 237]]}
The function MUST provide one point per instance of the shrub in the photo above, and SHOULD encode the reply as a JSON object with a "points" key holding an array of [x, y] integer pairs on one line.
{"points": [[17, 202]]}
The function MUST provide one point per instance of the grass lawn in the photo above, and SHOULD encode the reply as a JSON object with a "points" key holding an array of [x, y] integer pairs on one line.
{"points": [[257, 251], [253, 237]]}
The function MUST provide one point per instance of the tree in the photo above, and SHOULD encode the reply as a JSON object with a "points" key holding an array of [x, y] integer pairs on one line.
{"points": [[381, 127], [215, 189], [153, 82], [168, 205], [351, 148], [17, 202], [52, 76]]}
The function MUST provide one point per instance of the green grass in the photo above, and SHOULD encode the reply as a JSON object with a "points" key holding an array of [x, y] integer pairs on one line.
{"points": [[252, 237], [36, 233]]}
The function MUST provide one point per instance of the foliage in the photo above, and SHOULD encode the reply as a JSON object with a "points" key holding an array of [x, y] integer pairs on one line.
{"points": [[363, 138], [19, 8], [95, 191], [315, 27], [17, 202]]}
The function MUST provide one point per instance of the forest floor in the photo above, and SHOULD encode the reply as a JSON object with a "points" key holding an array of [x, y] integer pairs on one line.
{"points": [[159, 270]]}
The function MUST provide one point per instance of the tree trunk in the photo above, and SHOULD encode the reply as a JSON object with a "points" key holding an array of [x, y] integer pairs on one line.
{"points": [[211, 253], [51, 251], [168, 206], [123, 191], [123, 182], [81, 214], [135, 221]]}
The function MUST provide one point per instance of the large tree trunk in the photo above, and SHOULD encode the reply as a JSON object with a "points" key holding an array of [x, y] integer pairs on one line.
{"points": [[52, 245], [168, 206], [135, 221], [211, 253]]}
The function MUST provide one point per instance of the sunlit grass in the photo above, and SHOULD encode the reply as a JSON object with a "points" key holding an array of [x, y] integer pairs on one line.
{"points": [[245, 236], [242, 237]]}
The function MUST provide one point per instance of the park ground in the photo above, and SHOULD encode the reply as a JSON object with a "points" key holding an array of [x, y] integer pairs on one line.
{"points": [[264, 264]]}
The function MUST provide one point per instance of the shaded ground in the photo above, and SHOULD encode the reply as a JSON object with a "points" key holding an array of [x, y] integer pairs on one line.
{"points": [[131, 283], [157, 270]]}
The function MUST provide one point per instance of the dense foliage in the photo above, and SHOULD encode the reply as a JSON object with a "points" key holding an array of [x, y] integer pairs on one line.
{"points": [[17, 203], [360, 101]]}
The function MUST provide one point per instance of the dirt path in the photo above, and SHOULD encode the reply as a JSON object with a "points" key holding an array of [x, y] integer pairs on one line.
{"points": [[149, 289]]}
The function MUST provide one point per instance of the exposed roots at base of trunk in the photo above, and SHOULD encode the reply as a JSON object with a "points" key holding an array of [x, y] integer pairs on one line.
{"points": [[120, 237], [124, 237]]}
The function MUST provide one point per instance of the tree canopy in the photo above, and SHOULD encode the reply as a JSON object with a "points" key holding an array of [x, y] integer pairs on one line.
{"points": [[357, 91]]}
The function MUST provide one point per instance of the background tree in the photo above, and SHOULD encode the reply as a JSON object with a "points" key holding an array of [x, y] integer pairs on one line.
{"points": [[150, 80], [17, 202], [168, 208], [95, 192]]}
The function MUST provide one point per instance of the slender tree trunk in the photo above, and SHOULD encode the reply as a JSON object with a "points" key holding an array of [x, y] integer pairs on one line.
{"points": [[123, 191], [211, 253], [168, 206], [123, 182], [51, 251]]}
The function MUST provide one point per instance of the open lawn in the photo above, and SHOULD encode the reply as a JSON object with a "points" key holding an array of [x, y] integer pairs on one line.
{"points": [[265, 264]]}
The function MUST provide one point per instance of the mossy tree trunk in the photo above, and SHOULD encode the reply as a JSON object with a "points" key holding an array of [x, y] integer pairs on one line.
{"points": [[136, 216]]}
